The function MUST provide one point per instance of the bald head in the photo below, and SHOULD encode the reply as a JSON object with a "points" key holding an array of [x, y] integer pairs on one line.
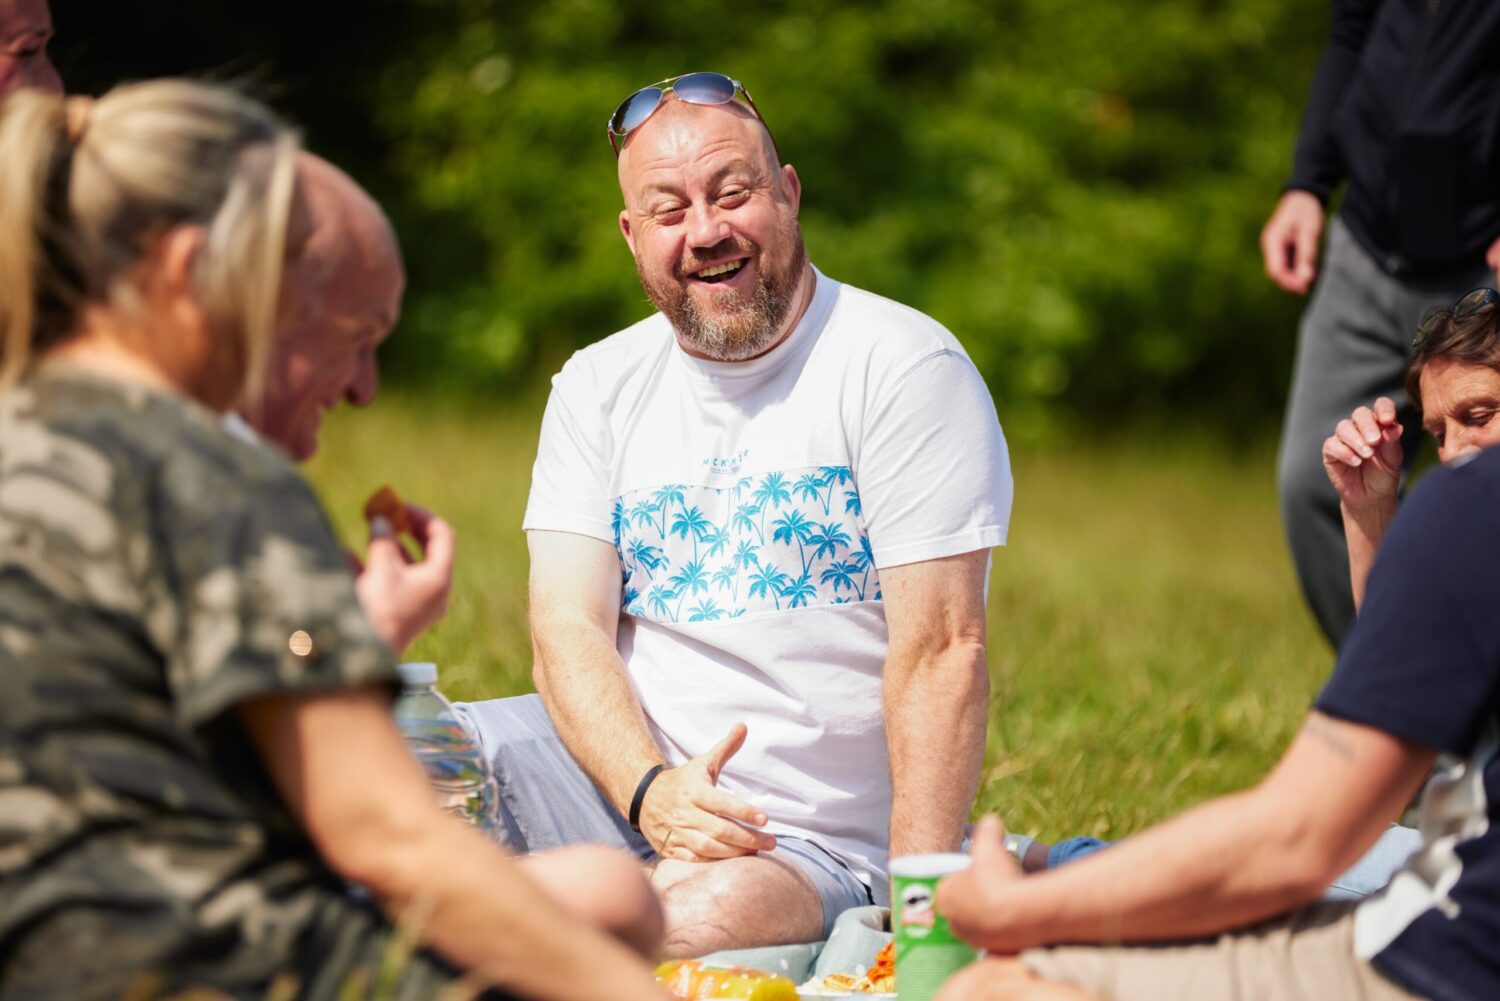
{"points": [[341, 298], [677, 127], [25, 30]]}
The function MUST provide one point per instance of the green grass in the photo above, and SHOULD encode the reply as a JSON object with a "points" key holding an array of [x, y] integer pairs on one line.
{"points": [[1148, 646]]}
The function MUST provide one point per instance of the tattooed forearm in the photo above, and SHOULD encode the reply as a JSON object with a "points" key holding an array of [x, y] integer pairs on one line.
{"points": [[1325, 732]]}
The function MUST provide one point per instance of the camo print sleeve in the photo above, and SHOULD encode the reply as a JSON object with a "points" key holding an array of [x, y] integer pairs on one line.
{"points": [[253, 594]]}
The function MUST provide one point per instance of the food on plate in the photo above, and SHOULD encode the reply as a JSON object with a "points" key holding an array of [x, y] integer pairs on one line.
{"points": [[384, 503], [691, 980], [878, 979]]}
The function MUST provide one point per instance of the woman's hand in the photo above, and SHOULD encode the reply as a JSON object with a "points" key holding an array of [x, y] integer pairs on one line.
{"points": [[1363, 460]]}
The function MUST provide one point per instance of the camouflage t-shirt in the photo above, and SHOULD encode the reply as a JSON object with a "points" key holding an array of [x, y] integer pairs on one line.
{"points": [[155, 573]]}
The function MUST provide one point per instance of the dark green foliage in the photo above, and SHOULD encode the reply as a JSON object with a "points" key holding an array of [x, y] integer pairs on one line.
{"points": [[1075, 187]]}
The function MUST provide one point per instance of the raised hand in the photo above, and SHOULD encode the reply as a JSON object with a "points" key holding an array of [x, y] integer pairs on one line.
{"points": [[399, 595], [1363, 459], [973, 900], [686, 817], [1289, 243]]}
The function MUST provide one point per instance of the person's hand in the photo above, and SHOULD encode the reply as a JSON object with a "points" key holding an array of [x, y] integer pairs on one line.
{"points": [[1492, 258], [401, 596], [1363, 458], [973, 901], [686, 817], [1289, 243]]}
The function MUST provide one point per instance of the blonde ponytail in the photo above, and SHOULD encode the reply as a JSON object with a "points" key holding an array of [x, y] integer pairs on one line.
{"points": [[32, 137], [103, 179]]}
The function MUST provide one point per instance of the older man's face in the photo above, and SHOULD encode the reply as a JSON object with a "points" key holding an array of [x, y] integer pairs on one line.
{"points": [[712, 222], [25, 30]]}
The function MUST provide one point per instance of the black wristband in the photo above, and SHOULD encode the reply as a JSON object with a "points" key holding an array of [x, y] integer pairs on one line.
{"points": [[640, 795]]}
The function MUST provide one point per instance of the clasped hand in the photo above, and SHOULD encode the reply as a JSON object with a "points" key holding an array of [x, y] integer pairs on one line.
{"points": [[685, 816]]}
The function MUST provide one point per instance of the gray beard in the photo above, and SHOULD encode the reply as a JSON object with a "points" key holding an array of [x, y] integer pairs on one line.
{"points": [[742, 332]]}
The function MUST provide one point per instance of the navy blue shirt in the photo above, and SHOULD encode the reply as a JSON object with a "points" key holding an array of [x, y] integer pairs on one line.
{"points": [[1423, 664]]}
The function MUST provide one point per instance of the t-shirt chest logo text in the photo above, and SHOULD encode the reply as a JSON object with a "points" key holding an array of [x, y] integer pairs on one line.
{"points": [[770, 542]]}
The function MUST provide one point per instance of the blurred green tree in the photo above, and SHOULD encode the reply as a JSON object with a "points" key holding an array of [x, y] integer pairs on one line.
{"points": [[1074, 187]]}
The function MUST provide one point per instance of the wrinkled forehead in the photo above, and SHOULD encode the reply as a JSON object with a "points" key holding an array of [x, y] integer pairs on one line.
{"points": [[681, 136]]}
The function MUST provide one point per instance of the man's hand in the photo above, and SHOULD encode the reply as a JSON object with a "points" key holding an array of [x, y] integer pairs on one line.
{"points": [[1289, 243], [1363, 459], [973, 900], [686, 817], [400, 596]]}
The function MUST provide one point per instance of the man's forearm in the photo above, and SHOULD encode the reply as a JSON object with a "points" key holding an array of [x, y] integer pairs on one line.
{"points": [[1226, 864], [582, 682], [935, 713]]}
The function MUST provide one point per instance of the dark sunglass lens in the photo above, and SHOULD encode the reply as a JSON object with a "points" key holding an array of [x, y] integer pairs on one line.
{"points": [[1474, 302], [635, 110], [704, 88]]}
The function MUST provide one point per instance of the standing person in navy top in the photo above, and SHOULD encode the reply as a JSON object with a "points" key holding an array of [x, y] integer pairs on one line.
{"points": [[1415, 696]]}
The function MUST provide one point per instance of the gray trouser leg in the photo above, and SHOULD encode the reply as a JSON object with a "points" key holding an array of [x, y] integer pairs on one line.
{"points": [[1353, 346]]}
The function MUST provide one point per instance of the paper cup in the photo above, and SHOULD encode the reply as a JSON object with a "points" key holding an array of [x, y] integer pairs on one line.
{"points": [[927, 951]]}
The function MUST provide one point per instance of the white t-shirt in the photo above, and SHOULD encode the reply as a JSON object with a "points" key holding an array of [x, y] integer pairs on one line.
{"points": [[753, 505]]}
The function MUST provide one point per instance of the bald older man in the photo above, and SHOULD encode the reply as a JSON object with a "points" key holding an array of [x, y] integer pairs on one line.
{"points": [[759, 528], [25, 30]]}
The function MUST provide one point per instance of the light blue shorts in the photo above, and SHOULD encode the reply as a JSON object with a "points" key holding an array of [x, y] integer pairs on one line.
{"points": [[547, 801]]}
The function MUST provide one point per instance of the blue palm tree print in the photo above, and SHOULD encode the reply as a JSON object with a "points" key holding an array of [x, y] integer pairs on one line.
{"points": [[703, 554]]}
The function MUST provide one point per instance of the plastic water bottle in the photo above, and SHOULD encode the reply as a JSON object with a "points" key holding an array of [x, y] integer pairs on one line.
{"points": [[447, 750]]}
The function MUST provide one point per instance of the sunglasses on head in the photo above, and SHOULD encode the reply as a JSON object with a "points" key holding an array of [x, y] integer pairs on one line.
{"points": [[693, 88], [1471, 303]]}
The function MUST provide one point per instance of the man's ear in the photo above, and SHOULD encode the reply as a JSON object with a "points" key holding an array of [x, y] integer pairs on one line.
{"points": [[625, 230], [791, 185]]}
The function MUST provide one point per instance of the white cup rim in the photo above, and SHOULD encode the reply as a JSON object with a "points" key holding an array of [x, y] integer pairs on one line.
{"points": [[930, 865]]}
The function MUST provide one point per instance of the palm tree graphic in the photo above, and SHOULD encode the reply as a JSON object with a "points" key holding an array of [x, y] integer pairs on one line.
{"points": [[706, 611], [768, 579], [745, 555], [799, 591], [834, 476], [851, 503], [691, 522], [726, 576], [810, 487], [744, 521], [648, 557], [664, 499], [829, 540], [644, 513], [838, 574], [771, 493], [793, 527], [688, 580], [657, 599]]}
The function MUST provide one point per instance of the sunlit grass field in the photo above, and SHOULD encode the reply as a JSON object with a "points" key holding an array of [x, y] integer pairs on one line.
{"points": [[1148, 646]]}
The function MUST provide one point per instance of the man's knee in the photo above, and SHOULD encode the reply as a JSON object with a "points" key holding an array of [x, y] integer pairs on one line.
{"points": [[735, 904], [606, 888]]}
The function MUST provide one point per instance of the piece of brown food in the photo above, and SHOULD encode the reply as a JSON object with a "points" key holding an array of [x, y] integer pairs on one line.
{"points": [[385, 504]]}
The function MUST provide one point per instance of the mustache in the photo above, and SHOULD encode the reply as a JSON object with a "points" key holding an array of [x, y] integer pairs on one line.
{"points": [[728, 247]]}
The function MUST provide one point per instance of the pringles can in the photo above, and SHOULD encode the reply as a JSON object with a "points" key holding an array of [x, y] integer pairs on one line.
{"points": [[927, 951]]}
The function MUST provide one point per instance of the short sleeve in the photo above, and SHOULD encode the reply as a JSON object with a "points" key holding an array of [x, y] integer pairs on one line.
{"points": [[933, 470], [252, 594], [569, 482], [1423, 659]]}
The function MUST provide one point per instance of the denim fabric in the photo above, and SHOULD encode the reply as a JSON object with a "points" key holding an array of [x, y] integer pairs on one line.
{"points": [[1365, 877]]}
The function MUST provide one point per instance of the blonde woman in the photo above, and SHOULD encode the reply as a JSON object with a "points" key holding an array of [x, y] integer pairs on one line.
{"points": [[195, 745]]}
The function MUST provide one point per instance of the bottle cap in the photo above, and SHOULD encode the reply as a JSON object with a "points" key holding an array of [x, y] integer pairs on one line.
{"points": [[417, 673]]}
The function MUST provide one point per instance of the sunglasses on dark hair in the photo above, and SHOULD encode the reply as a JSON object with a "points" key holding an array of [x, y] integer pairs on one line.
{"points": [[1468, 305], [694, 88]]}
